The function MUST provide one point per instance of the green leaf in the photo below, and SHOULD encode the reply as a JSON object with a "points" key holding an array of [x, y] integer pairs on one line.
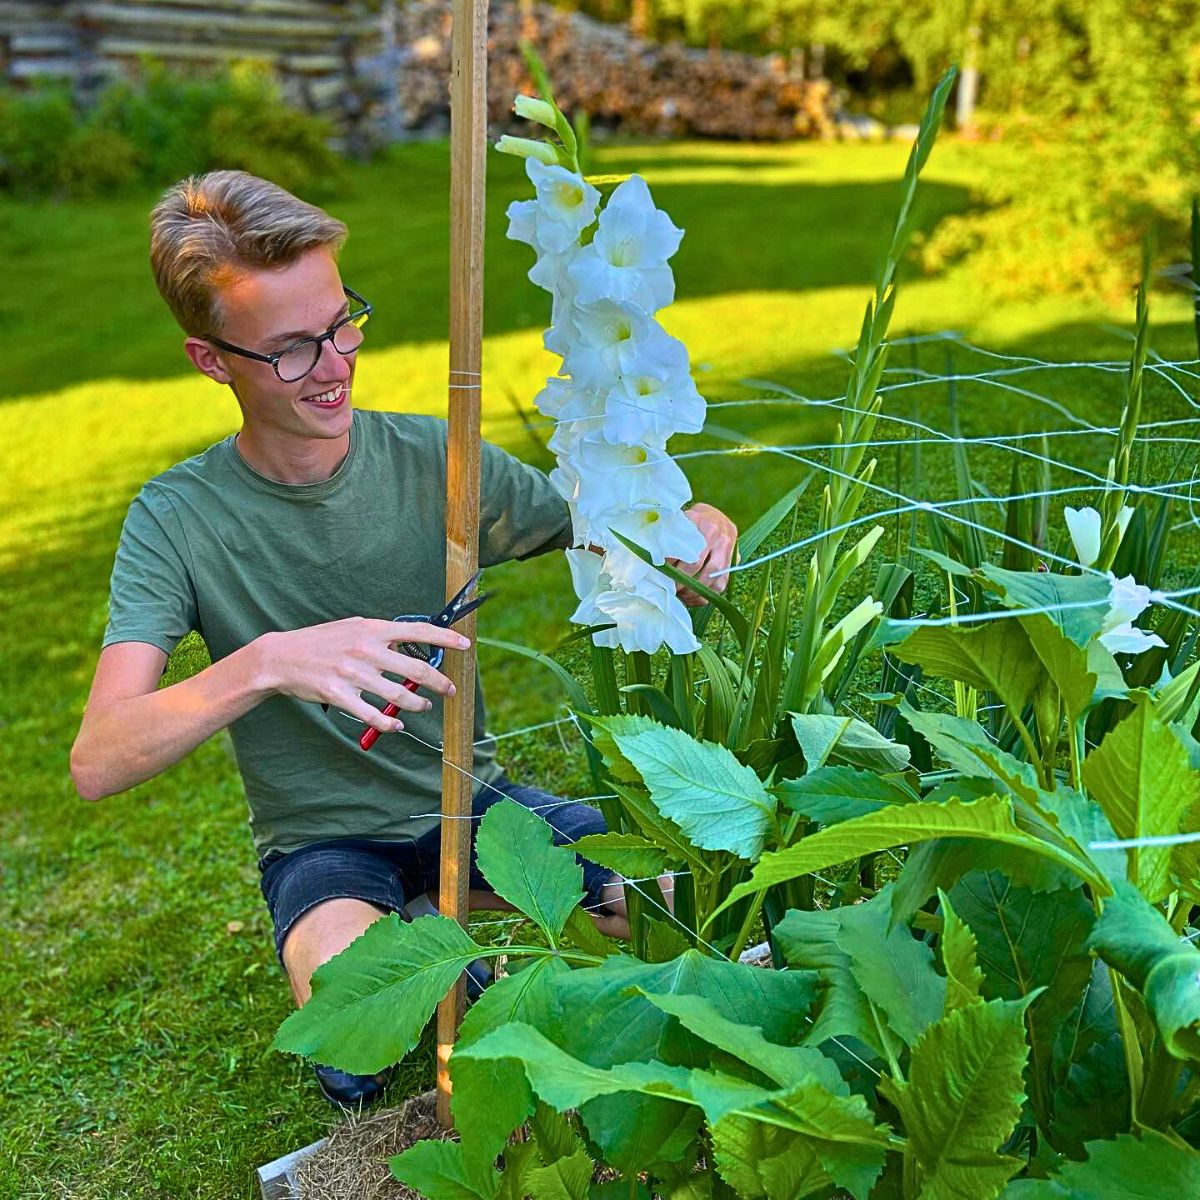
{"points": [[440, 1171], [993, 656], [784, 1065], [762, 1160], [583, 932], [370, 1003], [1078, 604], [1135, 938], [1030, 942], [1128, 1168], [717, 802], [491, 1099], [632, 856], [567, 1178], [832, 794], [518, 857], [958, 946], [968, 749], [849, 740], [989, 818], [963, 1098], [1143, 780]]}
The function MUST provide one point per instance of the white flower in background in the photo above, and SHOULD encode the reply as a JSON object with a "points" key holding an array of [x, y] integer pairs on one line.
{"points": [[1127, 599], [1083, 524], [627, 259], [624, 388]]}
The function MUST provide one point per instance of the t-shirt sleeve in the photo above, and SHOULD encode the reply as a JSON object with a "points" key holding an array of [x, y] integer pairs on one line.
{"points": [[520, 512], [151, 597]]}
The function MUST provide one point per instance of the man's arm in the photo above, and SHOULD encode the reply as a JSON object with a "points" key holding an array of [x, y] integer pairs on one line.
{"points": [[133, 730]]}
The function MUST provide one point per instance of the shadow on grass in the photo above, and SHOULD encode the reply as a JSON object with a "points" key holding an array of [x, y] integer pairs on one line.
{"points": [[99, 315]]}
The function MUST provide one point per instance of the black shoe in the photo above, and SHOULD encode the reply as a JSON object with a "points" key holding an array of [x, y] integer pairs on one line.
{"points": [[351, 1091], [479, 976]]}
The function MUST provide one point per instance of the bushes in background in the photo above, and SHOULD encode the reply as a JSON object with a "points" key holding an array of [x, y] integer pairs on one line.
{"points": [[158, 128]]}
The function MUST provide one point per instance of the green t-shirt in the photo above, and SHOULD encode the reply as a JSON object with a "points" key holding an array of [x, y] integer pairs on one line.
{"points": [[211, 545]]}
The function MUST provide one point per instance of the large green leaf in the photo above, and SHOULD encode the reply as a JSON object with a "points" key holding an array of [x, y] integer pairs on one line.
{"points": [[832, 794], [492, 1098], [968, 749], [963, 1099], [1143, 780], [1152, 1167], [719, 803], [1030, 942], [843, 1134], [1076, 604], [518, 857], [1136, 938], [849, 741], [601, 1016], [634, 857], [441, 1171], [763, 1160], [370, 1003], [993, 656], [784, 1065], [989, 818]]}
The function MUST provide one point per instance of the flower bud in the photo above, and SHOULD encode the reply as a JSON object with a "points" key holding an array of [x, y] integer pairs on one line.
{"points": [[528, 148], [533, 109]]}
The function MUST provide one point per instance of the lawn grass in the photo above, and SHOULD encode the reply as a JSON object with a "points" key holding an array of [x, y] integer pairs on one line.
{"points": [[139, 990]]}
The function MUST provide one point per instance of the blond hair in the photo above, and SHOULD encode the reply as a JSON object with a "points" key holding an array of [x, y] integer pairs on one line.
{"points": [[208, 229]]}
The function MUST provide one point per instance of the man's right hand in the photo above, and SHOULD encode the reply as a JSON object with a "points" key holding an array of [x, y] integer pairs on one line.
{"points": [[336, 662]]}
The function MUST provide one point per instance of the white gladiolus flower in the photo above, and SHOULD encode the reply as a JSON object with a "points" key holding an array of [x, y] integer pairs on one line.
{"points": [[1128, 599], [1083, 524], [648, 615], [624, 387], [648, 408], [617, 478], [533, 109], [528, 148], [664, 532], [1123, 519], [564, 208], [627, 259]]}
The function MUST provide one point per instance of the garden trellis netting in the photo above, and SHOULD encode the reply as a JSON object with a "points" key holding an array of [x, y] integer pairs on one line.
{"points": [[959, 801]]}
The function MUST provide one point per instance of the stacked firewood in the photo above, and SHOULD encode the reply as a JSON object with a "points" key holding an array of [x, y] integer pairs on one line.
{"points": [[621, 82]]}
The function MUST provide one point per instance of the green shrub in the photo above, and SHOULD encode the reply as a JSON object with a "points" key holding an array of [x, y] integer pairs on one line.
{"points": [[157, 128]]}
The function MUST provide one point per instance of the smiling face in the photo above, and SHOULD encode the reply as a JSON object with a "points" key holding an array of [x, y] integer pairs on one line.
{"points": [[266, 310]]}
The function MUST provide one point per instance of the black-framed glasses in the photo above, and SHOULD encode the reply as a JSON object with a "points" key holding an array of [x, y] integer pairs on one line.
{"points": [[296, 361]]}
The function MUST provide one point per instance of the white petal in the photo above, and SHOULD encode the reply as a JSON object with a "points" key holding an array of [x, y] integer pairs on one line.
{"points": [[1127, 600], [522, 221], [1083, 524], [1123, 519], [1128, 639]]}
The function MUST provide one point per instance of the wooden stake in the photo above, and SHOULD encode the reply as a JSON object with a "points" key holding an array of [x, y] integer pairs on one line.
{"points": [[468, 147]]}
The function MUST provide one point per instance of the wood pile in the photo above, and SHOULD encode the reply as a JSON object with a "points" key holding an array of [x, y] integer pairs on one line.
{"points": [[622, 82]]}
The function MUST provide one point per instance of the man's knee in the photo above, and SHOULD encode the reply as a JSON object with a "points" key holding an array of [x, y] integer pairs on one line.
{"points": [[323, 931]]}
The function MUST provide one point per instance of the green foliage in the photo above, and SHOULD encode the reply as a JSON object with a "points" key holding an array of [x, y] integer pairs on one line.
{"points": [[158, 128]]}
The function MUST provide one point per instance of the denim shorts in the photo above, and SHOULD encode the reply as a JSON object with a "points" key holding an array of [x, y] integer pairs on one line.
{"points": [[388, 874]]}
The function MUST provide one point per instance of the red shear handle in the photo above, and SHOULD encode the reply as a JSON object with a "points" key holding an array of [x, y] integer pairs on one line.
{"points": [[370, 734]]}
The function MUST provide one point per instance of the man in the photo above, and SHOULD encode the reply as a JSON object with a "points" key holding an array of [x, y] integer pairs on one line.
{"points": [[289, 546]]}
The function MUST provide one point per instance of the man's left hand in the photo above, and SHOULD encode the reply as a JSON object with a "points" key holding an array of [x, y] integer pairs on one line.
{"points": [[720, 535]]}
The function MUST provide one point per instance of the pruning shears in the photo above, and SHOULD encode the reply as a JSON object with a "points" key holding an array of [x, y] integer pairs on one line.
{"points": [[460, 606]]}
